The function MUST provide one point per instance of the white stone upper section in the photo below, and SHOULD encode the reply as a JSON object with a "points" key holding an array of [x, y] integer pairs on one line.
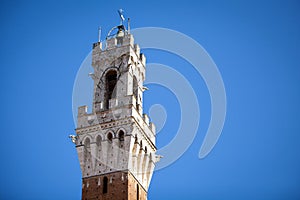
{"points": [[117, 135]]}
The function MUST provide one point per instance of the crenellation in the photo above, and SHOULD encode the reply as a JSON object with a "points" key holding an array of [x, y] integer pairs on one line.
{"points": [[111, 43], [152, 127], [128, 40], [146, 119], [97, 45], [82, 110], [143, 59], [137, 49]]}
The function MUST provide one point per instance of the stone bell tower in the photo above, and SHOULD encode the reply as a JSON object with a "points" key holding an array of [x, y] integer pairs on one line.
{"points": [[116, 141]]}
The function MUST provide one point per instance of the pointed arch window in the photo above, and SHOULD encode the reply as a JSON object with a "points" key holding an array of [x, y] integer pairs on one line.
{"points": [[98, 140], [111, 81], [135, 91], [109, 137], [87, 148], [121, 135]]}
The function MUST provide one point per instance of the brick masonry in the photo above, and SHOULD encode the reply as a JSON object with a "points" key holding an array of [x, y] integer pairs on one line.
{"points": [[120, 186]]}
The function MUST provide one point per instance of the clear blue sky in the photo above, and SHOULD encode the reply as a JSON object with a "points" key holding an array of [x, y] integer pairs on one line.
{"points": [[256, 46]]}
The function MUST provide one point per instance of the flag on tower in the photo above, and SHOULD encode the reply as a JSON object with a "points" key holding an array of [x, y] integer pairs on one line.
{"points": [[120, 11]]}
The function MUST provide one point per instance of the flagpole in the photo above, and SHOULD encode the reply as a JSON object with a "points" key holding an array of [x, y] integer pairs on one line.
{"points": [[99, 34], [128, 25]]}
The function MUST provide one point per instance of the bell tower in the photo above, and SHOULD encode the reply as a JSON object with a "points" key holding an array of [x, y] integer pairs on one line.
{"points": [[116, 141]]}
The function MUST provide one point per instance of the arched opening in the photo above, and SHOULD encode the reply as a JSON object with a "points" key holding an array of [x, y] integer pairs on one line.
{"points": [[98, 140], [87, 142], [135, 91], [121, 135], [87, 156], [111, 81], [145, 149], [141, 144], [135, 139], [105, 182], [86, 148], [139, 157], [99, 149], [137, 192], [109, 137], [134, 158]]}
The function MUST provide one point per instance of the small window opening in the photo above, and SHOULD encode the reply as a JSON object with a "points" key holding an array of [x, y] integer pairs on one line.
{"points": [[121, 135], [105, 181], [137, 192]]}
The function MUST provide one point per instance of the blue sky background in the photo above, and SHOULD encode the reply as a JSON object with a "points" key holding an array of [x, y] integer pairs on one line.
{"points": [[256, 46]]}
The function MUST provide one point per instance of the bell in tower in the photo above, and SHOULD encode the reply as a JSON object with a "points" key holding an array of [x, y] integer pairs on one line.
{"points": [[116, 141], [120, 34]]}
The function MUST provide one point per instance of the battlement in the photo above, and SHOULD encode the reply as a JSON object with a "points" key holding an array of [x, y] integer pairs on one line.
{"points": [[115, 42], [85, 119], [119, 41], [82, 110]]}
